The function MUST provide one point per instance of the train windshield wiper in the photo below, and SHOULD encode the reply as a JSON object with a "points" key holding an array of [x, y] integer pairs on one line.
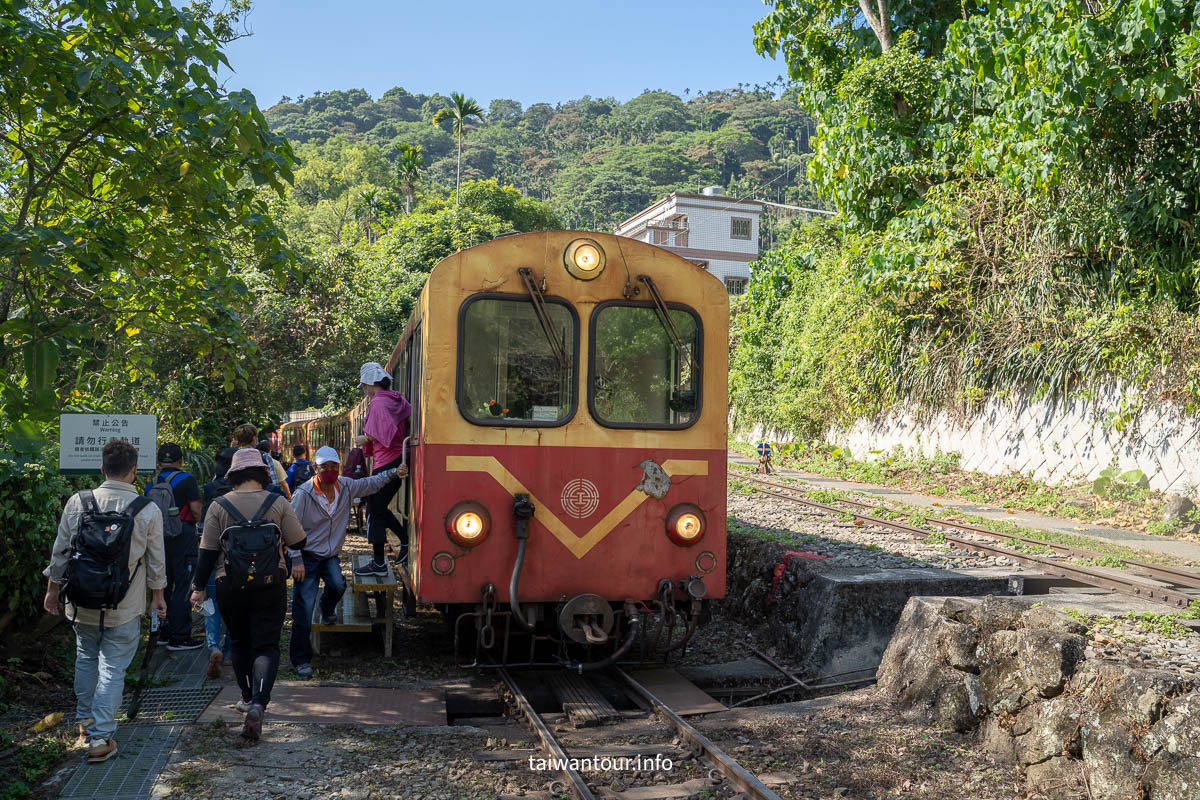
{"points": [[539, 308], [681, 399]]}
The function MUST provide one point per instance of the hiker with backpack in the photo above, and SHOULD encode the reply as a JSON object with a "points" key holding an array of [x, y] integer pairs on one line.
{"points": [[177, 496], [219, 654], [246, 436], [301, 469], [323, 505], [245, 533], [384, 431], [108, 551]]}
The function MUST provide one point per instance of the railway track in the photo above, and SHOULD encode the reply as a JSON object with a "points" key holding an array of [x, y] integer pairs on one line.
{"points": [[1114, 580], [696, 747]]}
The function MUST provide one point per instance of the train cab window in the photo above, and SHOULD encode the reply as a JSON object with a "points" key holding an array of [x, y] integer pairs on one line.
{"points": [[509, 371], [639, 377]]}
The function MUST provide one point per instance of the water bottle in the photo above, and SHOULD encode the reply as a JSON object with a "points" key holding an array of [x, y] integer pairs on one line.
{"points": [[208, 607]]}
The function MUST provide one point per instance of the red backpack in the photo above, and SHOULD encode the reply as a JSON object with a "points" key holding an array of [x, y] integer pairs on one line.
{"points": [[356, 464]]}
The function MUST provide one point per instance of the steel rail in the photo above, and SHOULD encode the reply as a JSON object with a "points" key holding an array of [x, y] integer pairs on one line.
{"points": [[735, 772], [1082, 574], [1162, 572], [577, 785]]}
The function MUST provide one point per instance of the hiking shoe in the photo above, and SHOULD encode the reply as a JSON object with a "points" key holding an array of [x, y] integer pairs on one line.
{"points": [[371, 569], [190, 643], [252, 728], [242, 706], [304, 672], [101, 750], [214, 663]]}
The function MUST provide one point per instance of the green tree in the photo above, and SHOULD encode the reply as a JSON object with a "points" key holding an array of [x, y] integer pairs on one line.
{"points": [[130, 184], [460, 112], [369, 209], [409, 169]]}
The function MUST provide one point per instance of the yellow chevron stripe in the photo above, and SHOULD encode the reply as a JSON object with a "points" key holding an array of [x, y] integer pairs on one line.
{"points": [[578, 545]]}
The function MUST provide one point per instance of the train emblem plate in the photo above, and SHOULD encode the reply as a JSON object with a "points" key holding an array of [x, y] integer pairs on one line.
{"points": [[580, 498]]}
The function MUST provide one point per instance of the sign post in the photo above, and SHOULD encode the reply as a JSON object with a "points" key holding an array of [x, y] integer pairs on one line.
{"points": [[764, 458], [81, 439]]}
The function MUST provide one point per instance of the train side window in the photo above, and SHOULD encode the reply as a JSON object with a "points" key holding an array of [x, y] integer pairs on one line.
{"points": [[639, 378], [508, 371]]}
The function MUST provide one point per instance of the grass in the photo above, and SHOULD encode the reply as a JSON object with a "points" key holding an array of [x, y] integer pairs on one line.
{"points": [[1127, 506], [1166, 625], [1109, 554]]}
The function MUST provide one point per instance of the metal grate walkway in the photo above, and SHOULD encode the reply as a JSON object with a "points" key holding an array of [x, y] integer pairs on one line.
{"points": [[142, 752], [171, 705]]}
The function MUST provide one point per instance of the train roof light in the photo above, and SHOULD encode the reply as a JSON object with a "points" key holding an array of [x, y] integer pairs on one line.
{"points": [[584, 259]]}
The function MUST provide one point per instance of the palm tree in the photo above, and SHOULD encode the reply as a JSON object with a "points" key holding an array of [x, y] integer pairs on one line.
{"points": [[369, 209], [409, 169], [460, 110]]}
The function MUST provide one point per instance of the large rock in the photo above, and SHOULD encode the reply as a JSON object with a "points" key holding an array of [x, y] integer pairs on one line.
{"points": [[997, 740], [999, 613], [1112, 769], [1048, 730], [1018, 667], [1173, 745], [1178, 731], [1057, 777], [1178, 508], [1051, 619], [1172, 778], [915, 675]]}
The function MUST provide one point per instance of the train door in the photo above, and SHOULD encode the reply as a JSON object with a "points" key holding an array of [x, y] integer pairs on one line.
{"points": [[408, 378]]}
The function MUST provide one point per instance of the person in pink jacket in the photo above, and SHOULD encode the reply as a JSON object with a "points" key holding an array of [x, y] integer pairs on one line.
{"points": [[385, 429]]}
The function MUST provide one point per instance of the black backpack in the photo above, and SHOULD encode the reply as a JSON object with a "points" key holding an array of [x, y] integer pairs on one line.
{"points": [[97, 575], [304, 472], [251, 547]]}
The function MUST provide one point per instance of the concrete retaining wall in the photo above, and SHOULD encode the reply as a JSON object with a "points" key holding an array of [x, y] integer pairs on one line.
{"points": [[1058, 444], [831, 620]]}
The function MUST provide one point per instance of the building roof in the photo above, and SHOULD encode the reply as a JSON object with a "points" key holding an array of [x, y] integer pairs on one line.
{"points": [[730, 202]]}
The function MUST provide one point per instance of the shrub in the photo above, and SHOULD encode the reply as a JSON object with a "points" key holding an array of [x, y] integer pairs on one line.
{"points": [[33, 496]]}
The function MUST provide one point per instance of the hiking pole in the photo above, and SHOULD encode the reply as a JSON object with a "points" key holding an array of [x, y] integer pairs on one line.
{"points": [[135, 702]]}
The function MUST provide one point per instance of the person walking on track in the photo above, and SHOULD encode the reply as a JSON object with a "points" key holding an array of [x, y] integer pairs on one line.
{"points": [[323, 506], [384, 432], [245, 533]]}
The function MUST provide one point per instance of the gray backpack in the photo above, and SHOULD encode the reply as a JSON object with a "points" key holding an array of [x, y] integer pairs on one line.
{"points": [[162, 493]]}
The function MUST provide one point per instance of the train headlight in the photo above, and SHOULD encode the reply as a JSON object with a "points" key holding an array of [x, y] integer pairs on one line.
{"points": [[685, 524], [468, 524], [584, 259]]}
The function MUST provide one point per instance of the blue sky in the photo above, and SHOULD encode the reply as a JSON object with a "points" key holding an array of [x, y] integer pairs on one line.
{"points": [[527, 50]]}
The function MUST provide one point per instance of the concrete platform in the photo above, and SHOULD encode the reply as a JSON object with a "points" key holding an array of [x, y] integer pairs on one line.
{"points": [[852, 612], [1189, 551], [338, 705]]}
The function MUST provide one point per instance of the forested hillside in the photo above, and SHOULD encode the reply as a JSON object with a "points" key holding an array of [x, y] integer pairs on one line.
{"points": [[595, 160], [1018, 188]]}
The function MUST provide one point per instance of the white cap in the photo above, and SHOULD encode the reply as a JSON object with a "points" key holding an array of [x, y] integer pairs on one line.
{"points": [[372, 373], [326, 454]]}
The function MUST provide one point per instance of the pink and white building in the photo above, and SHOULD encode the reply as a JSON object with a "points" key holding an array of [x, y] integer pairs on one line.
{"points": [[719, 233]]}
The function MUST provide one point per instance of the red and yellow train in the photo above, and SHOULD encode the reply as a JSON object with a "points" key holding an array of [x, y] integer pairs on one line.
{"points": [[568, 444]]}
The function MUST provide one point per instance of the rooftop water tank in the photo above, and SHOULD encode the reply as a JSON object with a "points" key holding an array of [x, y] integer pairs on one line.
{"points": [[713, 191]]}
